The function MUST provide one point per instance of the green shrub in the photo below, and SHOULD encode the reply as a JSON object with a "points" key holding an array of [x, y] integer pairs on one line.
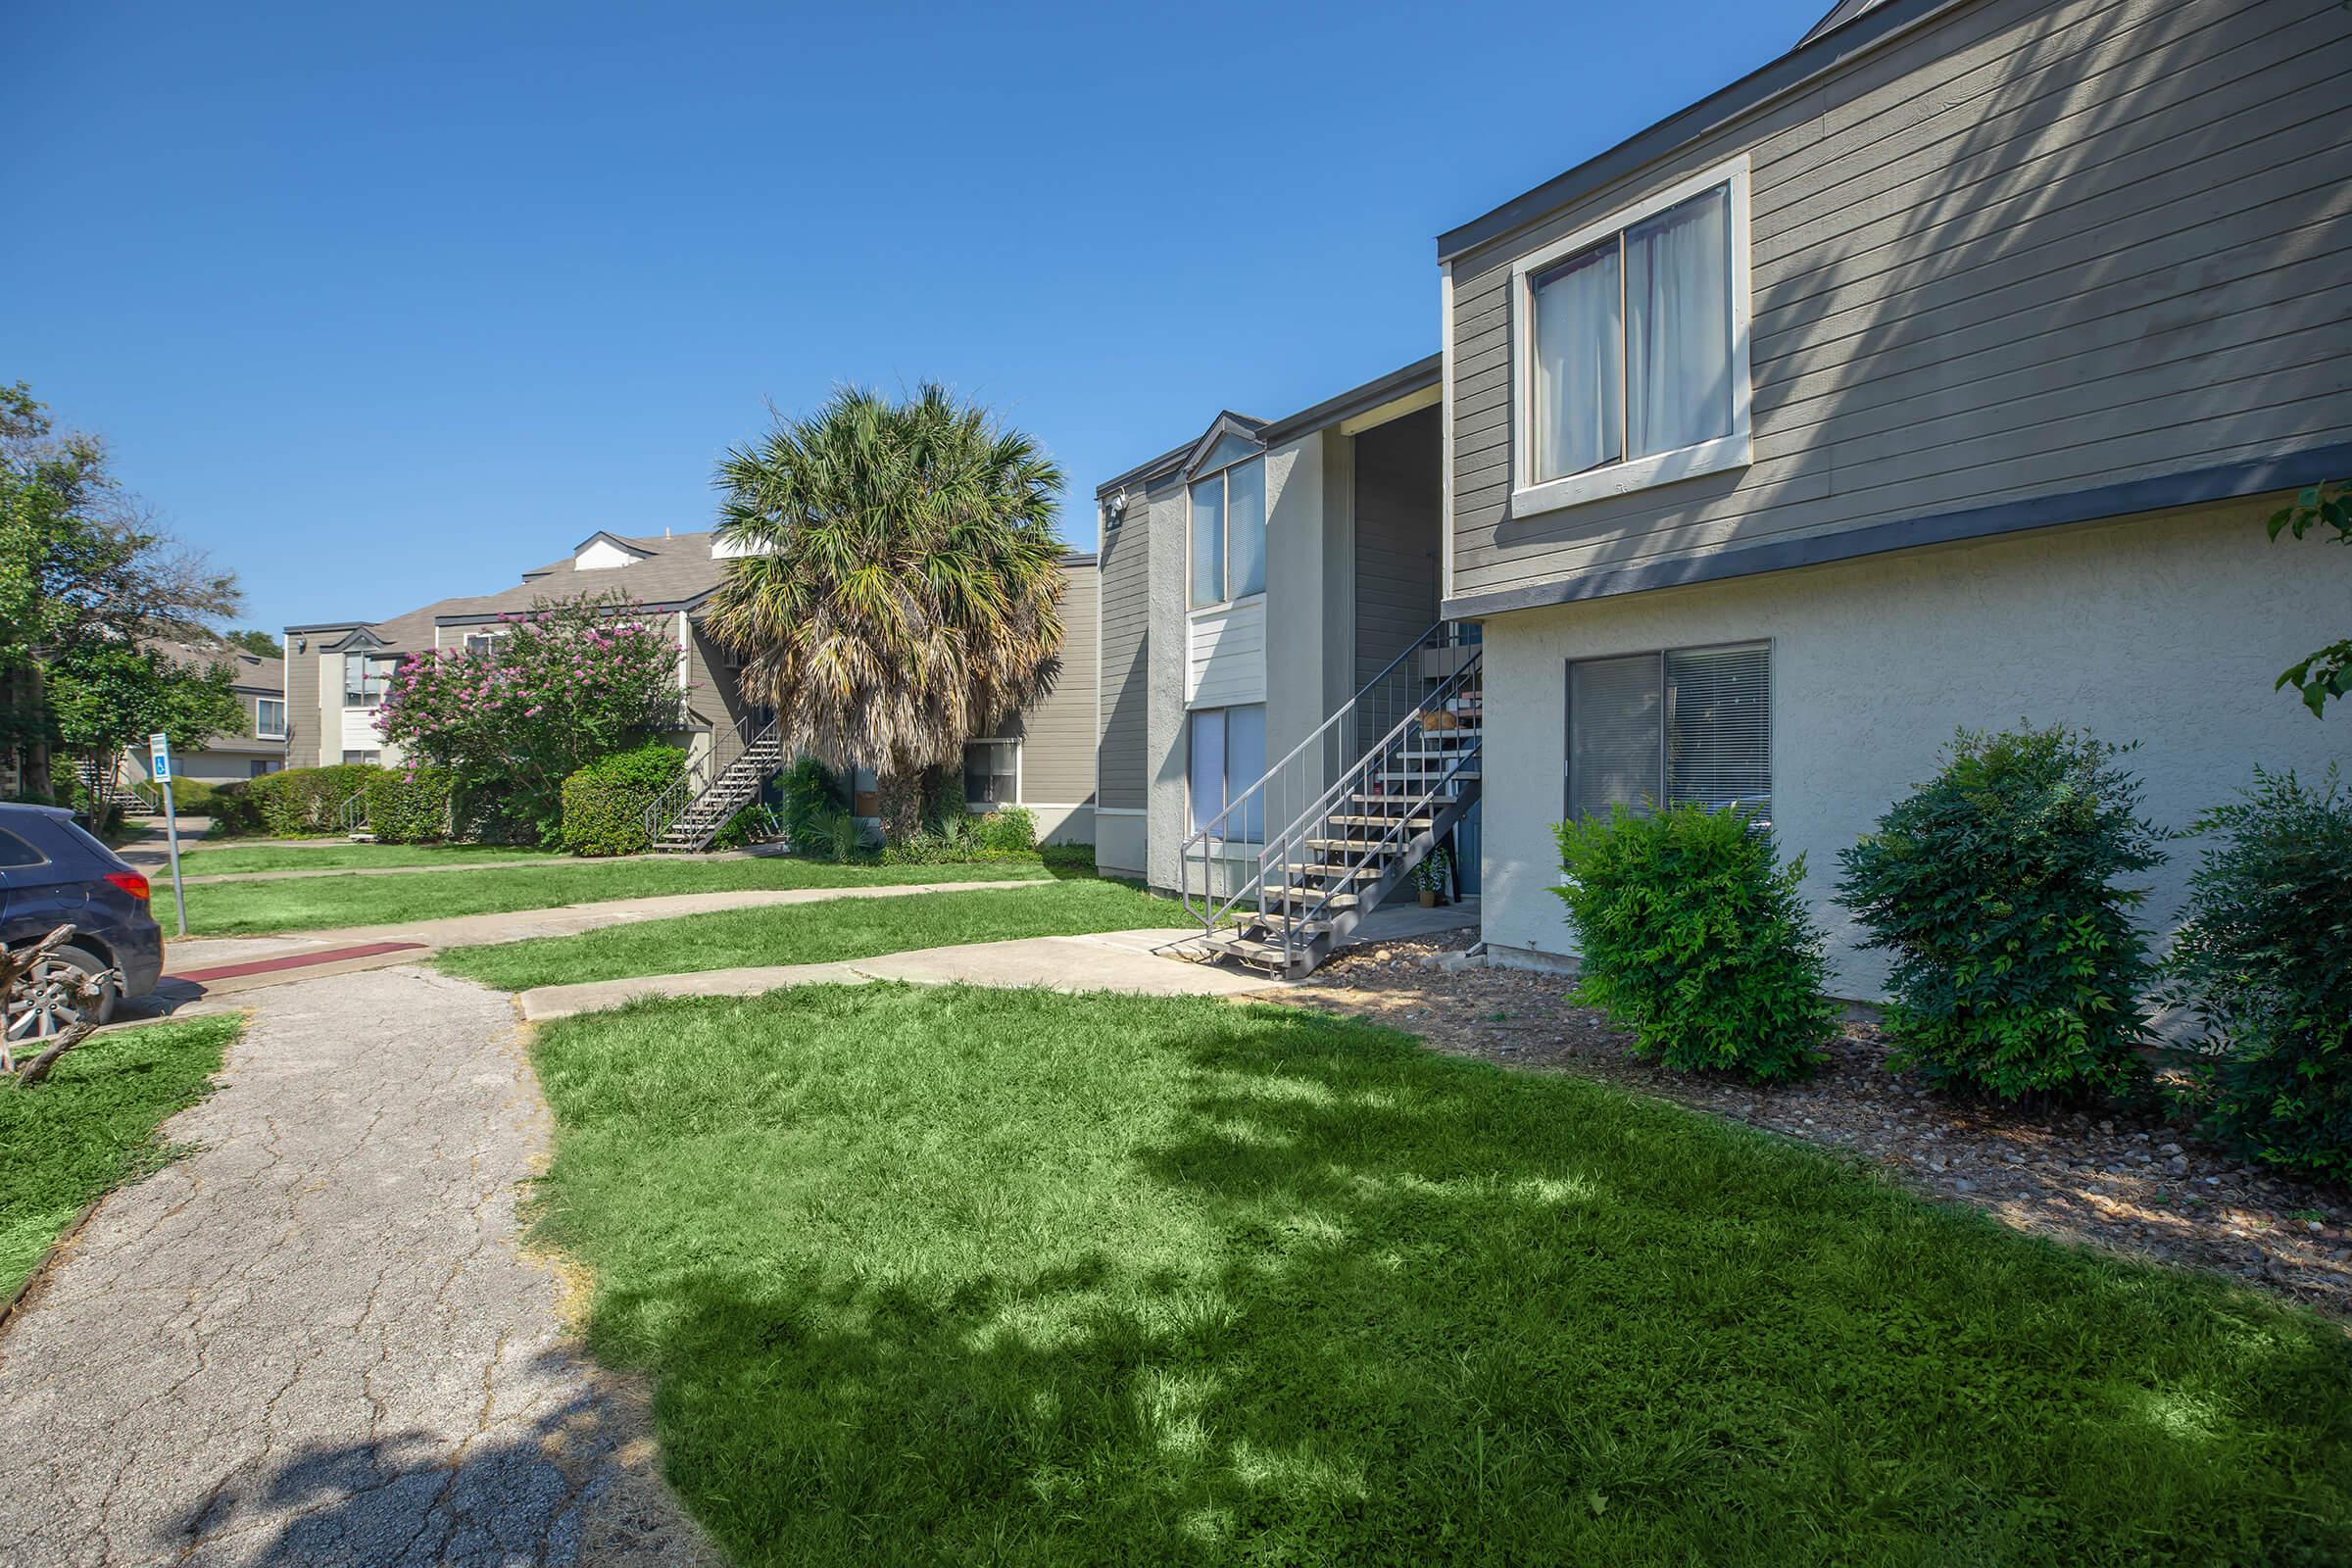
{"points": [[193, 797], [411, 804], [811, 797], [1009, 828], [2017, 968], [1078, 857], [293, 803], [604, 803], [1693, 938], [839, 835], [2264, 957], [754, 824]]}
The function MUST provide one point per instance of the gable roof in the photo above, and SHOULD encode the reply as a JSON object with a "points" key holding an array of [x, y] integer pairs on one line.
{"points": [[668, 571]]}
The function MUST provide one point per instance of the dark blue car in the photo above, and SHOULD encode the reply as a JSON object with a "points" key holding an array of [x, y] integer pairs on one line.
{"points": [[53, 873]]}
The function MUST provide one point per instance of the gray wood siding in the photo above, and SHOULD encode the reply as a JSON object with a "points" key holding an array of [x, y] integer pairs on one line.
{"points": [[1398, 473], [1123, 764], [302, 710], [712, 701], [2027, 249], [1057, 731]]}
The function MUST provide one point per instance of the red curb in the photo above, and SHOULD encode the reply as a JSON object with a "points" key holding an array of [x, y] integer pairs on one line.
{"points": [[299, 960]]}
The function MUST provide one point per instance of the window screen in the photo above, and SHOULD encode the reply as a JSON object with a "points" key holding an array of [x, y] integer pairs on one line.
{"points": [[991, 772], [1687, 725]]}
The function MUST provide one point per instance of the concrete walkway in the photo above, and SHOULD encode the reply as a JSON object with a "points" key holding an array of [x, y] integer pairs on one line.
{"points": [[1139, 962], [316, 1340], [470, 930]]}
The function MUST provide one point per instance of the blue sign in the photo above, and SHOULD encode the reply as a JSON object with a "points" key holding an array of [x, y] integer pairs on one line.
{"points": [[158, 751]]}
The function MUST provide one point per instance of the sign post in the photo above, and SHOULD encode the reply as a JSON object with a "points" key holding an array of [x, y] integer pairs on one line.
{"points": [[158, 753]]}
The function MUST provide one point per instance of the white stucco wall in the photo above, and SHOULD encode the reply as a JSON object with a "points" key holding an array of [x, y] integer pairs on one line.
{"points": [[2168, 629], [1119, 842]]}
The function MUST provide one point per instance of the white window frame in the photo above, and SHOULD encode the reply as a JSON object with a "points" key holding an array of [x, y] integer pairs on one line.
{"points": [[390, 662], [489, 639], [1733, 451], [261, 718], [1013, 741], [1772, 709], [1223, 475]]}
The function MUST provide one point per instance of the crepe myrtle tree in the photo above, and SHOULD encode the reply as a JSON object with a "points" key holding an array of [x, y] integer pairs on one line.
{"points": [[898, 587], [560, 685]]}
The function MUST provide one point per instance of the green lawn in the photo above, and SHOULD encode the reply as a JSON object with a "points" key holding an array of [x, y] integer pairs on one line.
{"points": [[225, 908], [950, 1275], [91, 1127], [812, 933], [198, 860]]}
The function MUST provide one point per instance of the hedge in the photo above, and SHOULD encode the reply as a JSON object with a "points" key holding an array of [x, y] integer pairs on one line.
{"points": [[296, 803], [604, 803], [411, 804]]}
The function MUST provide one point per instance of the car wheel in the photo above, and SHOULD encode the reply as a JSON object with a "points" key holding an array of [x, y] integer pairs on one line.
{"points": [[46, 1002]]}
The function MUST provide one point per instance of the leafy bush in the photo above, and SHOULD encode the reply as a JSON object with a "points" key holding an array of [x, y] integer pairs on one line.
{"points": [[293, 803], [411, 804], [1693, 938], [754, 824], [2262, 957], [839, 835], [811, 797], [2017, 966], [566, 683], [604, 803], [1009, 828]]}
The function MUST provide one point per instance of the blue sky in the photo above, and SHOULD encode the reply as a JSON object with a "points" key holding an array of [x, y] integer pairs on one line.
{"points": [[384, 304]]}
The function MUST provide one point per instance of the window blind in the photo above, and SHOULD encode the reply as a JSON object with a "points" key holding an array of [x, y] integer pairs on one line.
{"points": [[1689, 726], [1719, 727]]}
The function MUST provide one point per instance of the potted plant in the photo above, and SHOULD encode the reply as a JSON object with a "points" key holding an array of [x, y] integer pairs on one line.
{"points": [[1433, 876]]}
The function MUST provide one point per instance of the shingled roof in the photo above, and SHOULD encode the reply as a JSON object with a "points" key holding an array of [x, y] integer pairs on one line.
{"points": [[664, 571]]}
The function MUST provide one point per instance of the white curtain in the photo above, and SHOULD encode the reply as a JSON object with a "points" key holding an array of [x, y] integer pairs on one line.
{"points": [[1207, 769], [1578, 383], [1208, 542], [1246, 528], [1678, 328]]}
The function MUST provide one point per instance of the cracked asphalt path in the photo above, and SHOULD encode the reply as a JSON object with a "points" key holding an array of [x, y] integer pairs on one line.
{"points": [[316, 1340]]}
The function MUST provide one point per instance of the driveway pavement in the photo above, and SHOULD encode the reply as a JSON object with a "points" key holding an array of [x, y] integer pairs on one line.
{"points": [[317, 1341]]}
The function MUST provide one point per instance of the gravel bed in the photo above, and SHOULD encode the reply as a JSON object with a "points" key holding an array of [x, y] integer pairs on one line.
{"points": [[2108, 1179]]}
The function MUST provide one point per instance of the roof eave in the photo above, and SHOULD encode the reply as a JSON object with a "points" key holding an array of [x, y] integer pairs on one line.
{"points": [[1790, 72]]}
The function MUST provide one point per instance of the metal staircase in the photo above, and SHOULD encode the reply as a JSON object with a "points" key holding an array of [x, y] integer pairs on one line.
{"points": [[111, 787], [1361, 803], [685, 817]]}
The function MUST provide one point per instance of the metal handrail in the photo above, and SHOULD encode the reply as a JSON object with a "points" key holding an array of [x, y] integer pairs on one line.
{"points": [[353, 812], [1454, 686], [1257, 799], [702, 775]]}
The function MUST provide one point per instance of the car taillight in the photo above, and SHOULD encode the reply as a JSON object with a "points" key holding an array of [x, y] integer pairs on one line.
{"points": [[129, 882]]}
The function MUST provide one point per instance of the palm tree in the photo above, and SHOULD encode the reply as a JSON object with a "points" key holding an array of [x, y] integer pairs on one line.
{"points": [[900, 594]]}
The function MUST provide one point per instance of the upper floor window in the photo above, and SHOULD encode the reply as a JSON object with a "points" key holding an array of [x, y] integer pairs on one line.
{"points": [[365, 678], [270, 718], [1632, 351], [1229, 534], [482, 644]]}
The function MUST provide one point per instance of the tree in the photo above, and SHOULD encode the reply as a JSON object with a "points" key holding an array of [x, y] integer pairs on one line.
{"points": [[260, 644], [86, 577], [105, 696], [899, 591], [2326, 674], [568, 682]]}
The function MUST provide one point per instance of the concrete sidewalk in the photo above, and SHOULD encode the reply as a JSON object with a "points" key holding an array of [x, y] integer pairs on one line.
{"points": [[473, 930], [1137, 962], [318, 1338]]}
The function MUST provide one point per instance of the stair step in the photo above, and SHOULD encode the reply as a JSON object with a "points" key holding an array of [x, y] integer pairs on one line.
{"points": [[1331, 873], [1414, 822], [1306, 897], [1264, 954], [1403, 802], [1344, 845], [1426, 775]]}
